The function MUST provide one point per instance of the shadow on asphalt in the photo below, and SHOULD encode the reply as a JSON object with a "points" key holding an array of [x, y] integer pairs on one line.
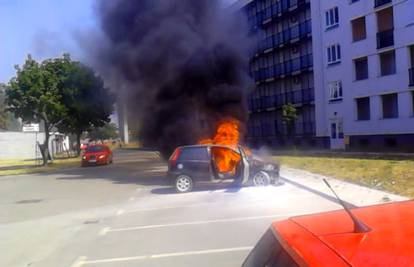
{"points": [[199, 188], [140, 167]]}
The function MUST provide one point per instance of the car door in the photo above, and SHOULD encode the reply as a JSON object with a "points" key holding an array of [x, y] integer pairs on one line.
{"points": [[195, 162], [245, 166]]}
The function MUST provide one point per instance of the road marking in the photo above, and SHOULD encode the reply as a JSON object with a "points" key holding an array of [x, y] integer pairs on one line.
{"points": [[250, 202], [120, 212], [165, 255], [106, 230], [79, 261]]}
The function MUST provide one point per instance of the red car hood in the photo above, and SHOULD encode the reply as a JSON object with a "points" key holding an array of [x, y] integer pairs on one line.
{"points": [[389, 243], [96, 154]]}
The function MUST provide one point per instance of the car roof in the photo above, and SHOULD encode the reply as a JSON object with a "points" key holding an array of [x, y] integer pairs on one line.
{"points": [[209, 145], [327, 239], [97, 145]]}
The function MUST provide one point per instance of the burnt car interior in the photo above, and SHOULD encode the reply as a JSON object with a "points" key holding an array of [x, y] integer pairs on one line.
{"points": [[226, 163]]}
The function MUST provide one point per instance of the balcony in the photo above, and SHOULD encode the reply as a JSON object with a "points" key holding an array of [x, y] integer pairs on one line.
{"points": [[411, 76], [385, 38], [379, 3]]}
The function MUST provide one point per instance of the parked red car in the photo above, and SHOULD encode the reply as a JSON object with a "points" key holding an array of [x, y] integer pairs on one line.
{"points": [[97, 155], [329, 239]]}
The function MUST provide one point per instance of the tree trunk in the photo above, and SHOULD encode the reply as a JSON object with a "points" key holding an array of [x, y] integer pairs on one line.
{"points": [[45, 147], [78, 144]]}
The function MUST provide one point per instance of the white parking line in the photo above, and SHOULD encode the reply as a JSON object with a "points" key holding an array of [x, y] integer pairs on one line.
{"points": [[120, 212], [79, 261], [106, 230], [157, 256], [250, 202]]}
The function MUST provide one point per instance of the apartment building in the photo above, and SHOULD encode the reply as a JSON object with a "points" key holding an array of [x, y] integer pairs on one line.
{"points": [[364, 72], [282, 68]]}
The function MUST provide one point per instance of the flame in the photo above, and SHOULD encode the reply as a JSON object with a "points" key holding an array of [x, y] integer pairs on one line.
{"points": [[227, 134]]}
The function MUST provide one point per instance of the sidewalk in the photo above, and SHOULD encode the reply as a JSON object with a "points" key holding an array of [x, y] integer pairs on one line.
{"points": [[351, 193]]}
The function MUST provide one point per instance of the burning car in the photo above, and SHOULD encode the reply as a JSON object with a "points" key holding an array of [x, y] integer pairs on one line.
{"points": [[200, 163]]}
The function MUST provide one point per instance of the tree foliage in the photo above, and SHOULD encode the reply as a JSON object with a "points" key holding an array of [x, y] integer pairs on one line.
{"points": [[7, 120], [89, 104], [3, 112], [289, 116], [35, 95], [61, 93], [107, 131]]}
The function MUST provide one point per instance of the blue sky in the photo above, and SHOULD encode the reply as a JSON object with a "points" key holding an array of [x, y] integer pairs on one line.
{"points": [[44, 29]]}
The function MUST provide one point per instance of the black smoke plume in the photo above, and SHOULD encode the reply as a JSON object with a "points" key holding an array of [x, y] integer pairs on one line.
{"points": [[183, 63]]}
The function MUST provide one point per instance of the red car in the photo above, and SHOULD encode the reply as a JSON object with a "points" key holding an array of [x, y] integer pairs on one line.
{"points": [[331, 239], [97, 155]]}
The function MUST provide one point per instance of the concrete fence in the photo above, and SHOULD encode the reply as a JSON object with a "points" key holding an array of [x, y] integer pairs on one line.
{"points": [[23, 144]]}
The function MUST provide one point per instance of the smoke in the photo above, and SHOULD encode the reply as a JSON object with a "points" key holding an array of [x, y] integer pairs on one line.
{"points": [[183, 65]]}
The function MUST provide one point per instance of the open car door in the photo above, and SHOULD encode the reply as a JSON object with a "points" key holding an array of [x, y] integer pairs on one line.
{"points": [[227, 163], [245, 166]]}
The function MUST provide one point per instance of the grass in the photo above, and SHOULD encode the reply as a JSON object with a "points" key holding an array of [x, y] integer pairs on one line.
{"points": [[20, 166], [393, 175]]}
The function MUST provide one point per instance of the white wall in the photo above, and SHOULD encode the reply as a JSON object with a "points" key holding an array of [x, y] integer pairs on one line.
{"points": [[16, 145], [375, 85]]}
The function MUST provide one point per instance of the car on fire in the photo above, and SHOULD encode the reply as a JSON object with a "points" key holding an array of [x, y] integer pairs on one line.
{"points": [[331, 239], [97, 155], [189, 165]]}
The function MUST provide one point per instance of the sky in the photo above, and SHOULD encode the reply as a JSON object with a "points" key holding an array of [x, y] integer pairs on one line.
{"points": [[44, 29]]}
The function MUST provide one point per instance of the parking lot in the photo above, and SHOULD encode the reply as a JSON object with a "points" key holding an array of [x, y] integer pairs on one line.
{"points": [[126, 215]]}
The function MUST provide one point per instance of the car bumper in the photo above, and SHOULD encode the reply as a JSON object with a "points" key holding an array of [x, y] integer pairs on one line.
{"points": [[91, 163]]}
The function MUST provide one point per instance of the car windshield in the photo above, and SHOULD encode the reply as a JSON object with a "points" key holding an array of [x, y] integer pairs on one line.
{"points": [[95, 149]]}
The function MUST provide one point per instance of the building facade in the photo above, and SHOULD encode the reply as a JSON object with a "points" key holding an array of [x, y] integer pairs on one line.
{"points": [[282, 68], [363, 72]]}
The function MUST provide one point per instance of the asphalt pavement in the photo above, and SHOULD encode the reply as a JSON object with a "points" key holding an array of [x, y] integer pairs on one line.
{"points": [[126, 214]]}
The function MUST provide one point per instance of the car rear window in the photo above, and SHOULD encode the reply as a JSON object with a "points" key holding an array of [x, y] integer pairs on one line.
{"points": [[194, 153], [269, 253], [95, 148]]}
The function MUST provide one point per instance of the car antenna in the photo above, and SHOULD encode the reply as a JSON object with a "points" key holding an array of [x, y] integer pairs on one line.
{"points": [[359, 226]]}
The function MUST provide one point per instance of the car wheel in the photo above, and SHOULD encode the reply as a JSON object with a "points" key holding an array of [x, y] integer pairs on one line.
{"points": [[183, 184], [261, 178]]}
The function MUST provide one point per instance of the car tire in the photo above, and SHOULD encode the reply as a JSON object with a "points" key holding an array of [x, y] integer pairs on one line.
{"points": [[261, 178], [183, 183]]}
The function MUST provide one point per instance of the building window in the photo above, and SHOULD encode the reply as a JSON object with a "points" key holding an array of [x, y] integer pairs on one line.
{"points": [[335, 90], [334, 54], [361, 68], [412, 103], [332, 17], [359, 31], [389, 106], [387, 62], [363, 109]]}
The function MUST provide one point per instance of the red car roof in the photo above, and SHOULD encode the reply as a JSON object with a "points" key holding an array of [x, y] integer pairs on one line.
{"points": [[327, 239]]}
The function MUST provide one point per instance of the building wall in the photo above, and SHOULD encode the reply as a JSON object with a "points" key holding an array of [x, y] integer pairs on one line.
{"points": [[22, 145], [373, 87], [281, 66]]}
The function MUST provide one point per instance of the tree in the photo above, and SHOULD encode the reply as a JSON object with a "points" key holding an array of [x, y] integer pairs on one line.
{"points": [[89, 104], [7, 120], [108, 131], [3, 112], [289, 116], [35, 95]]}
